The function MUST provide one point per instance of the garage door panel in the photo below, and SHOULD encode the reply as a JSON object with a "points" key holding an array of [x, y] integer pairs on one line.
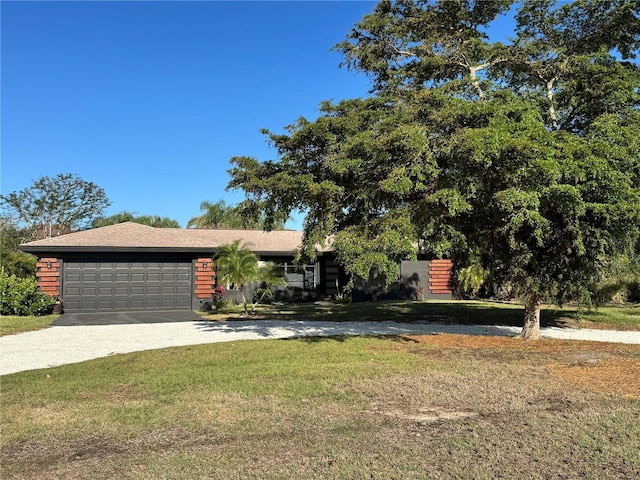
{"points": [[121, 304], [153, 304], [110, 286], [73, 277], [88, 291]]}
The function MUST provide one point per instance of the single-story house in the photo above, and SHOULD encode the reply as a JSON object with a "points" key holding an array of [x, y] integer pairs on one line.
{"points": [[135, 267]]}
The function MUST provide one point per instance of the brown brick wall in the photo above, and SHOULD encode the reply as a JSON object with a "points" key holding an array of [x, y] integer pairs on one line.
{"points": [[205, 278], [48, 275], [440, 276]]}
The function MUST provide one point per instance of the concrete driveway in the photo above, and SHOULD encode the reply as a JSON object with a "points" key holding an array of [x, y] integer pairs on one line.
{"points": [[124, 318], [60, 345]]}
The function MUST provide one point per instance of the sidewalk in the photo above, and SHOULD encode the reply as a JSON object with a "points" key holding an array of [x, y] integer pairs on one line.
{"points": [[60, 345]]}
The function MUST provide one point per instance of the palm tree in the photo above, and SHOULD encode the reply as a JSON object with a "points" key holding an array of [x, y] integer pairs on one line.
{"points": [[238, 266], [214, 215], [220, 215], [474, 275], [157, 221]]}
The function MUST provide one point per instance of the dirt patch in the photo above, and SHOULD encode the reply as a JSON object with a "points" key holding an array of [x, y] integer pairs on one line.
{"points": [[544, 345], [420, 415], [614, 376]]}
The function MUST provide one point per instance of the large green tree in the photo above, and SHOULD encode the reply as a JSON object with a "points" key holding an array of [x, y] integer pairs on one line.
{"points": [[55, 205], [522, 156]]}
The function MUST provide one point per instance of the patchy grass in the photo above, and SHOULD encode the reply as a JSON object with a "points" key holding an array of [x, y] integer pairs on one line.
{"points": [[627, 317], [11, 324], [457, 311], [440, 406]]}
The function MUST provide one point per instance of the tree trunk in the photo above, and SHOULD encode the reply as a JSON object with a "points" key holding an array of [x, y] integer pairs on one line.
{"points": [[244, 301], [531, 329], [253, 307]]}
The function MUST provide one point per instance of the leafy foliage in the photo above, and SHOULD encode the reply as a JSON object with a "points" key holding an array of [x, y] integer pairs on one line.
{"points": [[120, 217], [149, 220], [220, 300], [220, 215], [56, 205], [263, 296], [13, 261], [21, 296], [472, 277], [270, 276]]}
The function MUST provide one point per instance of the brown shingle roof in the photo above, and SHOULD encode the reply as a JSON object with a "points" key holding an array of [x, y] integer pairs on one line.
{"points": [[284, 241], [131, 236]]}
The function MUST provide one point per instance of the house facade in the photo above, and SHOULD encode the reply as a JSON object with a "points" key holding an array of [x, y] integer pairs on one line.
{"points": [[133, 267]]}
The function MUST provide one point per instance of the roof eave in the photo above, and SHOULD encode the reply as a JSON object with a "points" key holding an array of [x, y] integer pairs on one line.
{"points": [[103, 249]]}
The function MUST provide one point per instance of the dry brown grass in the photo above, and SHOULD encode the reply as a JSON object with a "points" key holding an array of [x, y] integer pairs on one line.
{"points": [[607, 368]]}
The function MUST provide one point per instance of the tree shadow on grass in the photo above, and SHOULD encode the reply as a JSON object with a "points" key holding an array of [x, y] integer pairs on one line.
{"points": [[453, 312], [338, 330]]}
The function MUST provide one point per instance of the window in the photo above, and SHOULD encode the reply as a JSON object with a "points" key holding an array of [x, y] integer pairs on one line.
{"points": [[300, 277]]}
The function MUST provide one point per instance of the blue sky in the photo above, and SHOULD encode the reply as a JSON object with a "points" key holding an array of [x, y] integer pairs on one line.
{"points": [[150, 100]]}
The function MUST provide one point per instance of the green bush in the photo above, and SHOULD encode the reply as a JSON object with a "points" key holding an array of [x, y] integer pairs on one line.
{"points": [[20, 264], [263, 296], [20, 296], [342, 298]]}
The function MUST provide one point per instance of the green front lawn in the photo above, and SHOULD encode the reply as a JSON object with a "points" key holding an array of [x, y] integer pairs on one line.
{"points": [[10, 324], [337, 408]]}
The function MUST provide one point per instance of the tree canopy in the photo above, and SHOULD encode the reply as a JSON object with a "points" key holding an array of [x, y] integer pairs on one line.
{"points": [[55, 205], [523, 155]]}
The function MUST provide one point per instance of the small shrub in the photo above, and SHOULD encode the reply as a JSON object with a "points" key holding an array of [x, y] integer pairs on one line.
{"points": [[263, 296], [20, 296], [220, 300], [296, 295], [342, 298]]}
